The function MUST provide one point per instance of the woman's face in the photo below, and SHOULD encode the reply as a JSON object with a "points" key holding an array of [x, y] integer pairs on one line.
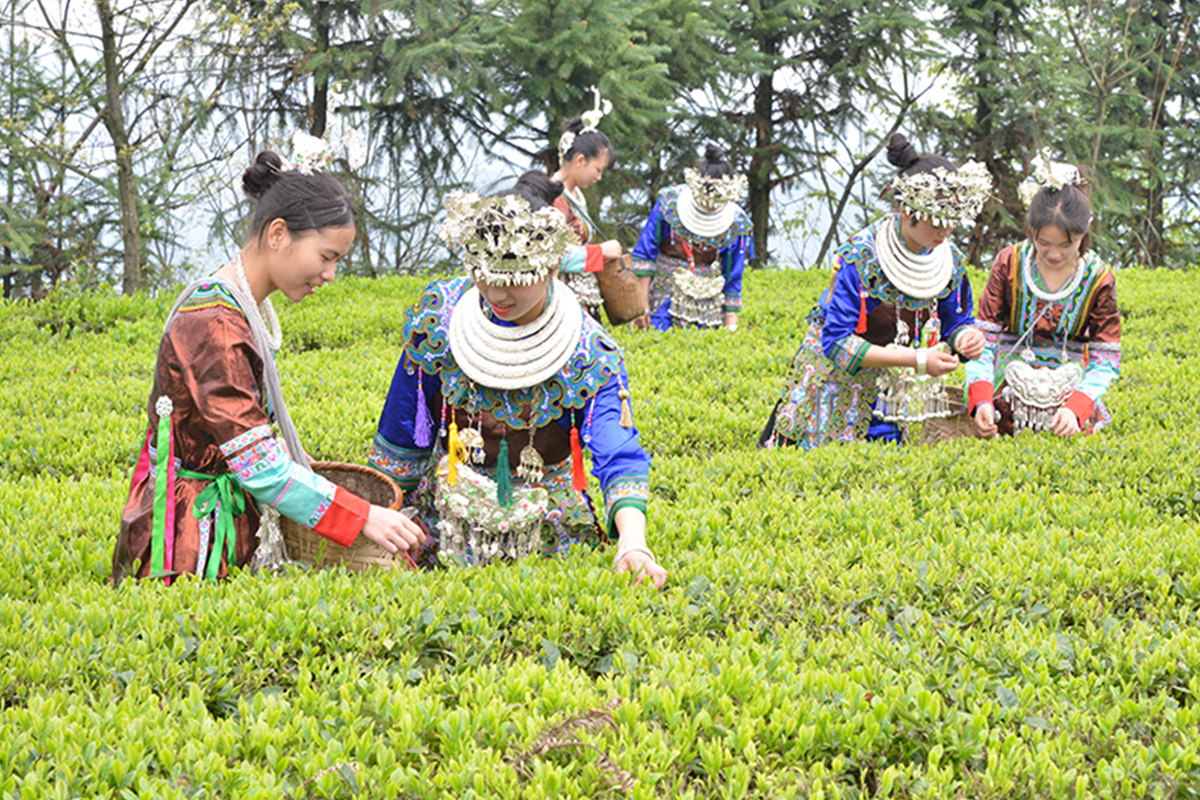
{"points": [[1054, 248], [300, 262], [587, 171], [519, 303], [920, 235]]}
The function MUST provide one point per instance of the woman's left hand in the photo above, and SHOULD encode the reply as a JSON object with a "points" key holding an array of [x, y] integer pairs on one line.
{"points": [[1065, 423], [970, 343], [642, 566]]}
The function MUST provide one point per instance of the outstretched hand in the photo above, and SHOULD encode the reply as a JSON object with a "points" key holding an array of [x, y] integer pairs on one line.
{"points": [[642, 566], [392, 530], [939, 362], [970, 343], [1065, 423], [985, 420]]}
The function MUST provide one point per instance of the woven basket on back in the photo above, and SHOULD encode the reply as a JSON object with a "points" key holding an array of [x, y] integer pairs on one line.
{"points": [[620, 290], [362, 554]]}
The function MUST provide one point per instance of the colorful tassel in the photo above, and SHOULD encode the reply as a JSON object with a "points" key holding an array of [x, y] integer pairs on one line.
{"points": [[862, 312], [423, 424], [504, 494], [626, 414], [454, 451], [579, 480], [691, 259]]}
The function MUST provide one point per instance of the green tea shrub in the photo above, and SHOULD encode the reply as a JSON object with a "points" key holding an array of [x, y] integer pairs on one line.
{"points": [[1007, 619]]}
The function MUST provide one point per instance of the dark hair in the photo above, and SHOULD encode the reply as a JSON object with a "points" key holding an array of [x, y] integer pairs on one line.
{"points": [[588, 143], [1069, 209], [901, 154], [303, 202], [536, 187], [714, 164]]}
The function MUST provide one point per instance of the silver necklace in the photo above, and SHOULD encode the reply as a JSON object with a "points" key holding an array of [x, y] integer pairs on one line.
{"points": [[918, 276], [265, 313], [1064, 291]]}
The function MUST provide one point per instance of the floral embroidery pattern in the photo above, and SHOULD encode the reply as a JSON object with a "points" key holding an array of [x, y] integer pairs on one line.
{"points": [[245, 440], [595, 361]]}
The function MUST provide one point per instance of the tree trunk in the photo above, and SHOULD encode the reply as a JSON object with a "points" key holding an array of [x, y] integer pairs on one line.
{"points": [[320, 106], [762, 163], [114, 120]]}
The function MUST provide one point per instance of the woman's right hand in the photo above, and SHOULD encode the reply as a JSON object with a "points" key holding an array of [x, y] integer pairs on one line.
{"points": [[392, 530], [985, 420], [610, 249], [939, 362]]}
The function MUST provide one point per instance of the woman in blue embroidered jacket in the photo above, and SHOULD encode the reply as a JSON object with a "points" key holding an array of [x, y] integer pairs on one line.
{"points": [[896, 313], [211, 468], [1049, 313], [519, 379], [693, 248]]}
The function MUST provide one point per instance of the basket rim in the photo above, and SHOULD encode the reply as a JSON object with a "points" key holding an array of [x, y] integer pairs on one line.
{"points": [[397, 492]]}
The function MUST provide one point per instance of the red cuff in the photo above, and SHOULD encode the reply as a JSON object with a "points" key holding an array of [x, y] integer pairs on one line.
{"points": [[979, 392], [595, 259], [1081, 406], [344, 519]]}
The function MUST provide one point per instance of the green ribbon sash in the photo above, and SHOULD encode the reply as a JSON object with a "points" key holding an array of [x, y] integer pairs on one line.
{"points": [[224, 495]]}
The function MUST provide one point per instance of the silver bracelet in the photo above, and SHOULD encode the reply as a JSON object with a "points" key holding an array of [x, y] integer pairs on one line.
{"points": [[622, 553], [921, 356]]}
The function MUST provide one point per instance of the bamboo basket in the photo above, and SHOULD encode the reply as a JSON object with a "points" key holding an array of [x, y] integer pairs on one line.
{"points": [[362, 554], [957, 426], [620, 290]]}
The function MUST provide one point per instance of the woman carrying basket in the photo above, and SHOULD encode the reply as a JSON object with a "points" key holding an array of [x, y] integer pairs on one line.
{"points": [[212, 467], [502, 382], [585, 153]]}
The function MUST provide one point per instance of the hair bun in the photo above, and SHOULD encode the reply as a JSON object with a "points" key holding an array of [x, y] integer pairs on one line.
{"points": [[714, 154], [900, 152], [573, 125], [262, 174]]}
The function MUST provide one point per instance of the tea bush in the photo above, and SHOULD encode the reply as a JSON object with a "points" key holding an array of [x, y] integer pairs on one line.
{"points": [[1009, 619]]}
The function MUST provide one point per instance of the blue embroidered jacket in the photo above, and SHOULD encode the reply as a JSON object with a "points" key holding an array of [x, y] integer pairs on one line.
{"points": [[586, 389]]}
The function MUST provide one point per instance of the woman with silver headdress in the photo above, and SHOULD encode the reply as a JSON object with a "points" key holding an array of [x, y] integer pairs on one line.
{"points": [[518, 380], [895, 318], [1050, 318], [693, 248]]}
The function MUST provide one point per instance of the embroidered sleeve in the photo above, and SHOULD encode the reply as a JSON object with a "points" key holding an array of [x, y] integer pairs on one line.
{"points": [[645, 252], [993, 312], [264, 469], [574, 261], [839, 342], [1104, 350], [618, 461], [395, 450]]}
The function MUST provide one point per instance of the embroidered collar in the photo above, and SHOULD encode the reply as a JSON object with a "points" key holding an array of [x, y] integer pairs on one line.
{"points": [[595, 360], [669, 202], [860, 252], [1090, 272]]}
